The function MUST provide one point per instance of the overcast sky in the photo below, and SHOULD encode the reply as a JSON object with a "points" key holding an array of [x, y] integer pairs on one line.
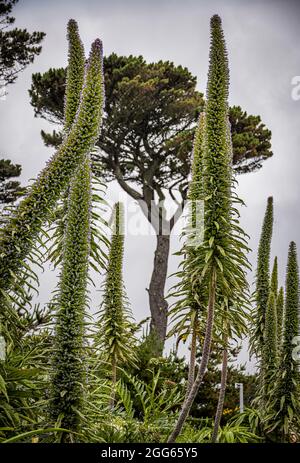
{"points": [[263, 41]]}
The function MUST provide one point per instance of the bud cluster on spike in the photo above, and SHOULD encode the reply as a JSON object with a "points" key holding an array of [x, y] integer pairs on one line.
{"points": [[75, 74], [25, 224]]}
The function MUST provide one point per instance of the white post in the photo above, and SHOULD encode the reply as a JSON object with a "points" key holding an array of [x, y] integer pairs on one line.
{"points": [[240, 386]]}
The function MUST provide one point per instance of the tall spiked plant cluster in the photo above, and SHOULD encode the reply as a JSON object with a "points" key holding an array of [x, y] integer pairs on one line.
{"points": [[275, 331], [24, 226], [67, 392], [216, 277], [114, 327], [69, 171], [283, 421]]}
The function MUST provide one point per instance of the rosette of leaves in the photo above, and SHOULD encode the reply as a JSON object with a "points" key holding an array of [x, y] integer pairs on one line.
{"points": [[220, 262], [114, 327]]}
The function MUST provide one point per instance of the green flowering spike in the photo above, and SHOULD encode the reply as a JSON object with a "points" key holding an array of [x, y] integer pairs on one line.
{"points": [[286, 418], [263, 277], [218, 265], [270, 352], [280, 310], [114, 335], [68, 359], [274, 278], [22, 229], [75, 74]]}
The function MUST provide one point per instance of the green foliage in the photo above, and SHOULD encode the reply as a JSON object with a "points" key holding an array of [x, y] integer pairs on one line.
{"points": [[18, 47], [228, 434], [23, 380], [263, 279]]}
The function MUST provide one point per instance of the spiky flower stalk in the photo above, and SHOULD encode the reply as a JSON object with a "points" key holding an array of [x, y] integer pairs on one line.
{"points": [[270, 352], [67, 387], [114, 335], [274, 278], [25, 224], [280, 318], [286, 405], [67, 390], [219, 263], [263, 278], [75, 74]]}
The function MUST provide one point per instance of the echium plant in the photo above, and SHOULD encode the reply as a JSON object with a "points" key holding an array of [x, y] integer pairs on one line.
{"points": [[186, 314], [285, 400], [67, 386], [263, 280], [67, 382], [114, 327], [25, 224], [219, 263]]}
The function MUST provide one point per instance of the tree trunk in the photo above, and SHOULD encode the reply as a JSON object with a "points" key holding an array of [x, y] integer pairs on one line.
{"points": [[186, 407], [158, 304], [221, 394]]}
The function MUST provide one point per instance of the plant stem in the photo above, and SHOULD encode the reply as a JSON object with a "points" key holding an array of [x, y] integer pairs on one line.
{"points": [[203, 364], [222, 390], [191, 374]]}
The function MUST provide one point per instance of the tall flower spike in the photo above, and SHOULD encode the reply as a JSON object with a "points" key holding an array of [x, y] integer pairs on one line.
{"points": [[75, 74], [263, 278], [67, 385], [219, 264], [25, 224], [114, 335]]}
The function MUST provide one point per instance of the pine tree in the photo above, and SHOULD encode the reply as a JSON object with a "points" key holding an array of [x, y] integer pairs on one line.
{"points": [[285, 419], [18, 47]]}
